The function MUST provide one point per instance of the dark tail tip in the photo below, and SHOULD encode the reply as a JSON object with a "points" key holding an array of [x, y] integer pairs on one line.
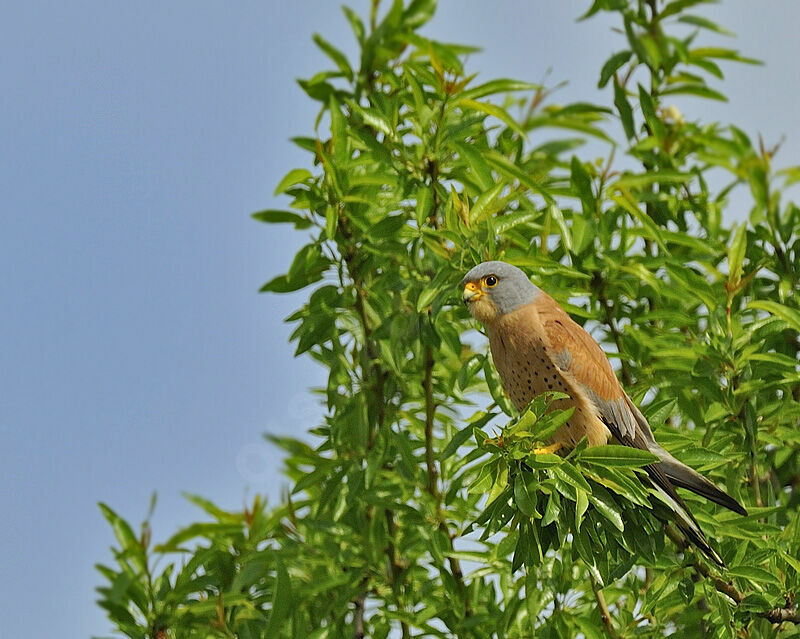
{"points": [[698, 540]]}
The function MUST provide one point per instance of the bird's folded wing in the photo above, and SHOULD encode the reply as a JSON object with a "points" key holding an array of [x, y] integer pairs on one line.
{"points": [[584, 365]]}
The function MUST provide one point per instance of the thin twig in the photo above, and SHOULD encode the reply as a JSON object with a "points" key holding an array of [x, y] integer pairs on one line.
{"points": [[776, 615], [602, 606], [374, 375], [395, 567], [433, 474], [358, 616], [612, 327], [430, 410]]}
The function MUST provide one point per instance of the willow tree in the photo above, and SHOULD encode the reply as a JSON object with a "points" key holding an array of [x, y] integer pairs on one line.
{"points": [[416, 507]]}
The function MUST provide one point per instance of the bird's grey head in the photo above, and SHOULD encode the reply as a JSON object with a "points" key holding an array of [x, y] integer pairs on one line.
{"points": [[493, 289]]}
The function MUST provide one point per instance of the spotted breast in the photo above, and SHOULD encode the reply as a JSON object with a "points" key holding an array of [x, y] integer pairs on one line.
{"points": [[529, 365]]}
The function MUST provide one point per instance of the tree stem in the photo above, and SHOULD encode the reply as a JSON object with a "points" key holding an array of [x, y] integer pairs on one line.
{"points": [[433, 475], [430, 410], [602, 606], [775, 615], [358, 616], [612, 327]]}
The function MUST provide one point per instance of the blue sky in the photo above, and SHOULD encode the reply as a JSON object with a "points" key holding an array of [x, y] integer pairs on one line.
{"points": [[136, 138]]}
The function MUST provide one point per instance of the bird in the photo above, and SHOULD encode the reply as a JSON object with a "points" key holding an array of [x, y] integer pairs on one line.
{"points": [[537, 347]]}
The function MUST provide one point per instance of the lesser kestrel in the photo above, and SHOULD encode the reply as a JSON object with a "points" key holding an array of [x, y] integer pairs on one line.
{"points": [[536, 347]]}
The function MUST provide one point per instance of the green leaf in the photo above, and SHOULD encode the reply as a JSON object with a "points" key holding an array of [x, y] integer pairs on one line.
{"points": [[581, 183], [618, 456], [677, 6], [295, 176], [551, 422], [502, 85], [200, 529], [373, 118], [307, 267], [581, 505], [339, 58], [520, 550], [649, 111], [657, 414], [569, 474], [338, 132], [625, 111], [331, 221], [613, 65], [500, 480], [736, 253], [606, 507], [484, 204], [719, 53], [418, 13], [281, 601], [544, 460], [127, 540], [641, 180], [387, 227], [211, 508], [754, 602], [503, 166], [463, 435], [424, 205], [621, 484], [483, 482], [525, 501], [493, 110], [791, 315], [272, 216], [507, 221], [355, 23], [525, 422], [553, 510], [566, 235], [695, 89], [753, 573], [627, 201], [480, 169]]}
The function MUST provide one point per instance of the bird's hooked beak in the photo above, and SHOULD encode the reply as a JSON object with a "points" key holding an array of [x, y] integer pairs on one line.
{"points": [[472, 292]]}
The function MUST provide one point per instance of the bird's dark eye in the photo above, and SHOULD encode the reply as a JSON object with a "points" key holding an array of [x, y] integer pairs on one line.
{"points": [[491, 281]]}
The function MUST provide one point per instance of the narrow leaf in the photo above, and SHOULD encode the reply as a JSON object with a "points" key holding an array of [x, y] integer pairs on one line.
{"points": [[620, 456], [612, 65], [339, 58], [295, 176]]}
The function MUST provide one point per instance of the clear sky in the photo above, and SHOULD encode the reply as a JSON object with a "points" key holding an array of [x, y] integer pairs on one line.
{"points": [[135, 139]]}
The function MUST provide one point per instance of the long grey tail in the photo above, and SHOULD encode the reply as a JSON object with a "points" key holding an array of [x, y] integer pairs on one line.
{"points": [[682, 475], [684, 519], [679, 473]]}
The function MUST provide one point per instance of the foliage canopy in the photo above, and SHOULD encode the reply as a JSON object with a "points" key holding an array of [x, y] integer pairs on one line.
{"points": [[408, 515]]}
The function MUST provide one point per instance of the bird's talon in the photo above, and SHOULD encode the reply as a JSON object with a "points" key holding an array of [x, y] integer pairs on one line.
{"points": [[546, 450]]}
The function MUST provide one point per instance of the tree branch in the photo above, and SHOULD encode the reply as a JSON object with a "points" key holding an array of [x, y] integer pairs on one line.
{"points": [[430, 410], [433, 474], [602, 606], [358, 616], [612, 326], [395, 567], [374, 375], [776, 615]]}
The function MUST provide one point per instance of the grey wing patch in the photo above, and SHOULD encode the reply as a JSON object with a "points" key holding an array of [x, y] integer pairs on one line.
{"points": [[641, 420], [616, 415], [562, 359]]}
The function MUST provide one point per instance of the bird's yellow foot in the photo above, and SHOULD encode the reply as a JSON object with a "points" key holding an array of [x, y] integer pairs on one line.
{"points": [[544, 450]]}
